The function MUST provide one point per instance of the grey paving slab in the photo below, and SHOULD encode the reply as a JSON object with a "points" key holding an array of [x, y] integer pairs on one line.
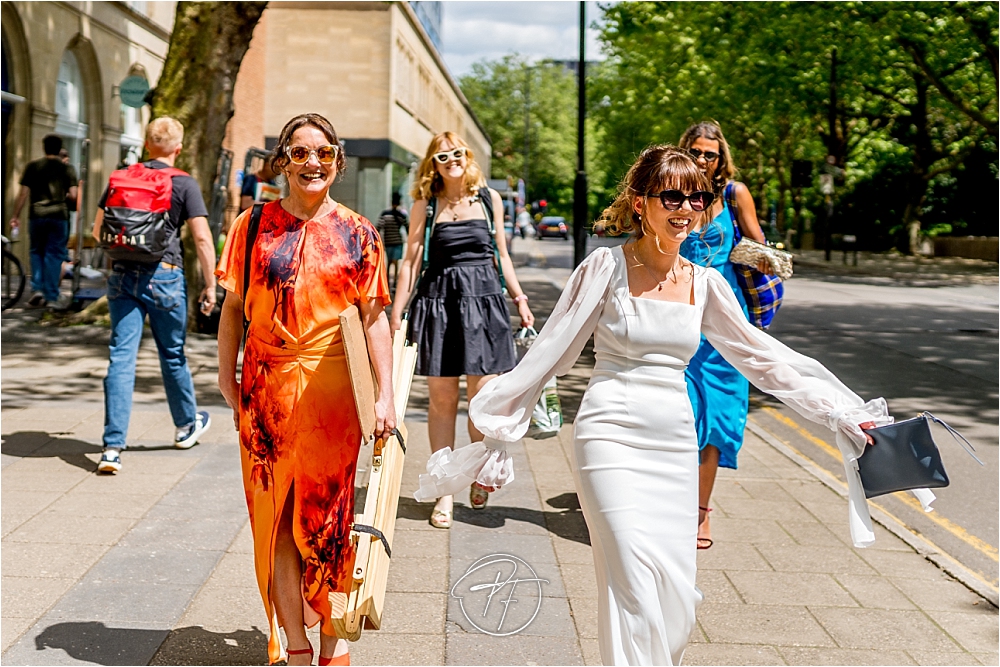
{"points": [[874, 592], [163, 565], [187, 532], [941, 658], [156, 605], [844, 656], [771, 625], [477, 649], [881, 629], [790, 588], [731, 654], [532, 548], [973, 631], [814, 559]]}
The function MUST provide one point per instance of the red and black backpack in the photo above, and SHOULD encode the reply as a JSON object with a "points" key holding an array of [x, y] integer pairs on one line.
{"points": [[136, 225]]}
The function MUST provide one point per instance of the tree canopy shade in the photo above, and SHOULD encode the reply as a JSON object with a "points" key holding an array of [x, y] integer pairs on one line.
{"points": [[502, 93], [895, 91]]}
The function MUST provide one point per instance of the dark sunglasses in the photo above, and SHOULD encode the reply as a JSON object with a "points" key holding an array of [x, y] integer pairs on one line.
{"points": [[710, 156], [672, 200]]}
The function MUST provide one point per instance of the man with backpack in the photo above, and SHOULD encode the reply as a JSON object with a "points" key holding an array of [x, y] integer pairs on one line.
{"points": [[138, 223], [51, 185]]}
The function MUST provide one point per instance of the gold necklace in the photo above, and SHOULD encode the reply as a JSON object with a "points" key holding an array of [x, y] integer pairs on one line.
{"points": [[659, 283], [451, 205]]}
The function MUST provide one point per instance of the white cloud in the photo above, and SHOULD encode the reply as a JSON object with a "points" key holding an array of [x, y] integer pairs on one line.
{"points": [[473, 31]]}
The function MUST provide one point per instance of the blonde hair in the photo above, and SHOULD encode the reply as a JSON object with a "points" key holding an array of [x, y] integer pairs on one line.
{"points": [[710, 130], [429, 182], [657, 168], [165, 133]]}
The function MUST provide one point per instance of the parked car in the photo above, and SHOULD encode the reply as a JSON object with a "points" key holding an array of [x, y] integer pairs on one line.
{"points": [[553, 225]]}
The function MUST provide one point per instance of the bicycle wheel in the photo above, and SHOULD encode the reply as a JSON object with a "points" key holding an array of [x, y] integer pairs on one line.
{"points": [[12, 286]]}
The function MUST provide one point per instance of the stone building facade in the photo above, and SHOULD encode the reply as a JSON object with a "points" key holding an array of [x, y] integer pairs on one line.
{"points": [[373, 70], [62, 63]]}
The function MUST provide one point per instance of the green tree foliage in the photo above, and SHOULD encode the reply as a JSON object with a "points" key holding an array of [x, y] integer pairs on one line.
{"points": [[502, 93], [901, 93]]}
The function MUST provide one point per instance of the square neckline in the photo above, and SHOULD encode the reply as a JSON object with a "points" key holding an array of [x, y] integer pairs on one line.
{"points": [[628, 287]]}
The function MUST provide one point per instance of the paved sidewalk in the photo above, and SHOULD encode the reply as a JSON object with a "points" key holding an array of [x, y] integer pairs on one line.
{"points": [[155, 566]]}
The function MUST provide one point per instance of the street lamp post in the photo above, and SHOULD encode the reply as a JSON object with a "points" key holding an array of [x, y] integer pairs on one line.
{"points": [[527, 130], [580, 213]]}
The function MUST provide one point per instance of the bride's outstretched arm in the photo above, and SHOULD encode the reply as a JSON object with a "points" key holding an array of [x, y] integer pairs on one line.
{"points": [[800, 382], [502, 408]]}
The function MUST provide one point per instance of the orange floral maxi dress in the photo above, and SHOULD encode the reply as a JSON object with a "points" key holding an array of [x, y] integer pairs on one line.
{"points": [[299, 430]]}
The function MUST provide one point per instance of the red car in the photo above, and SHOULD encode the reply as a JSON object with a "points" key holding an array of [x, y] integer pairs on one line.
{"points": [[553, 225]]}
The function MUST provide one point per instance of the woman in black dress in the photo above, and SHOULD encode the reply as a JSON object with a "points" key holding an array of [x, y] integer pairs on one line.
{"points": [[458, 318]]}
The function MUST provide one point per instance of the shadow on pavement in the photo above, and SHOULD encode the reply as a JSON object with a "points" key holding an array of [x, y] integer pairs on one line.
{"points": [[96, 643], [568, 524], [196, 646], [39, 444]]}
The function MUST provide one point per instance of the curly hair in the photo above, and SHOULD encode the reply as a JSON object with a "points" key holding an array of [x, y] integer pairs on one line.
{"points": [[279, 156], [658, 167], [725, 170], [429, 183]]}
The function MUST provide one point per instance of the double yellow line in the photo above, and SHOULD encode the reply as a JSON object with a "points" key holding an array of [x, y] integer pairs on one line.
{"points": [[907, 499]]}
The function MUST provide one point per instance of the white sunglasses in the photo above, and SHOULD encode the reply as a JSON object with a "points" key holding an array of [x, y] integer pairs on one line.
{"points": [[444, 156]]}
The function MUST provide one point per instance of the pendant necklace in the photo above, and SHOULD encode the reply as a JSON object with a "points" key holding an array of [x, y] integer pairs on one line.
{"points": [[451, 204], [659, 283]]}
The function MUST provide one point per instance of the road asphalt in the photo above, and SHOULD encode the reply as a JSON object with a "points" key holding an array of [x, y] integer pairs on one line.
{"points": [[155, 566]]}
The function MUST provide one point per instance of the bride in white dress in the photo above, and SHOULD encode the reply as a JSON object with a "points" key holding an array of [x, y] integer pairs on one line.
{"points": [[635, 457]]}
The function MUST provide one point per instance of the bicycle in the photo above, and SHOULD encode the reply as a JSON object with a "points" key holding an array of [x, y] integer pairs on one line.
{"points": [[12, 287]]}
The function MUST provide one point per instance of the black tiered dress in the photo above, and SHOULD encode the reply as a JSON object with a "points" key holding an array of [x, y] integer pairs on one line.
{"points": [[459, 318]]}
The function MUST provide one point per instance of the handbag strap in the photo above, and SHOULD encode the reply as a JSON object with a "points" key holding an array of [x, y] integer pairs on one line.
{"points": [[253, 227], [729, 194], [486, 200], [966, 445]]}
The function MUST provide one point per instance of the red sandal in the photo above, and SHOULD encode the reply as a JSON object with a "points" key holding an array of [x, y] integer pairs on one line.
{"points": [[335, 660], [301, 651], [704, 542]]}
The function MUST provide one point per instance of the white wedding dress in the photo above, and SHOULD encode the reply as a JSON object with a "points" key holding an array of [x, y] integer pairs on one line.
{"points": [[636, 452]]}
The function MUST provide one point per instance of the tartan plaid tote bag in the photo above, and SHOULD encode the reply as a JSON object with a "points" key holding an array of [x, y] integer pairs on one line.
{"points": [[762, 292]]}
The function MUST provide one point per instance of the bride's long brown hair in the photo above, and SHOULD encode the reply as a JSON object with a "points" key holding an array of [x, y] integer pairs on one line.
{"points": [[658, 167]]}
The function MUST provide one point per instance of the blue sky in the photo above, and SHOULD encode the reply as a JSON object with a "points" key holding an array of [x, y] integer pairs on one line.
{"points": [[472, 31]]}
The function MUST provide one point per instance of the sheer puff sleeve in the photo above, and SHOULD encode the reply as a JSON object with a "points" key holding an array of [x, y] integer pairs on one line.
{"points": [[800, 382], [502, 408]]}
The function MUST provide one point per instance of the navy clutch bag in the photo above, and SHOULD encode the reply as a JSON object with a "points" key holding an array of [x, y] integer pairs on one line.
{"points": [[905, 457]]}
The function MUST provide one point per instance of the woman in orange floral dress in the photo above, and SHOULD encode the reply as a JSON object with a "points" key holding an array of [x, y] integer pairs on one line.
{"points": [[293, 406]]}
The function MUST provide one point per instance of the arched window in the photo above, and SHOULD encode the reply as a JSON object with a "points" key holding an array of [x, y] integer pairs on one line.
{"points": [[71, 107]]}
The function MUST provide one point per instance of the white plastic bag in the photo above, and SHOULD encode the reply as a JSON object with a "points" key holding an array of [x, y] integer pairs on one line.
{"points": [[546, 418]]}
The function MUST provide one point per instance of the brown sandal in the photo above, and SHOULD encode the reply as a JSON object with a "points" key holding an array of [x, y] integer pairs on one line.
{"points": [[704, 542]]}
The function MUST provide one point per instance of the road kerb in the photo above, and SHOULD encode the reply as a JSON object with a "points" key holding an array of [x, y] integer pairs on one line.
{"points": [[921, 545]]}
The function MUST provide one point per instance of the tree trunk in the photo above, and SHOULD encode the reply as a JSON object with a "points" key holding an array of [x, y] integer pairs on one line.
{"points": [[207, 45]]}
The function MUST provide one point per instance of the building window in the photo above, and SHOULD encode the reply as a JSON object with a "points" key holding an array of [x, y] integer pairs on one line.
{"points": [[132, 139], [71, 107]]}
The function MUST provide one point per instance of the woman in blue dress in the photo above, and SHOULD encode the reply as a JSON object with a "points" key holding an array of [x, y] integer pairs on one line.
{"points": [[719, 394]]}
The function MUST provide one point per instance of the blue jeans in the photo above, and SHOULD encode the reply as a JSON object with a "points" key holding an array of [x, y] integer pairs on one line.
{"points": [[135, 291], [48, 252]]}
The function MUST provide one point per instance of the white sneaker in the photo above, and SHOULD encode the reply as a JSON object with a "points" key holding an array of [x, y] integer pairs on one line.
{"points": [[36, 300], [187, 437], [111, 461]]}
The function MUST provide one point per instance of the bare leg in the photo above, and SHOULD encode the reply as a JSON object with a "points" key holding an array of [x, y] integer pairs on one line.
{"points": [[331, 647], [706, 482], [441, 416], [473, 383], [287, 586], [478, 495]]}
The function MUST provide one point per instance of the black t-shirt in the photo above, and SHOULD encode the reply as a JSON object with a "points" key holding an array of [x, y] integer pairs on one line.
{"points": [[185, 203], [49, 180]]}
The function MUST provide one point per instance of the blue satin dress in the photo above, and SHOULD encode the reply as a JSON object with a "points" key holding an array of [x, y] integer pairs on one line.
{"points": [[719, 394]]}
